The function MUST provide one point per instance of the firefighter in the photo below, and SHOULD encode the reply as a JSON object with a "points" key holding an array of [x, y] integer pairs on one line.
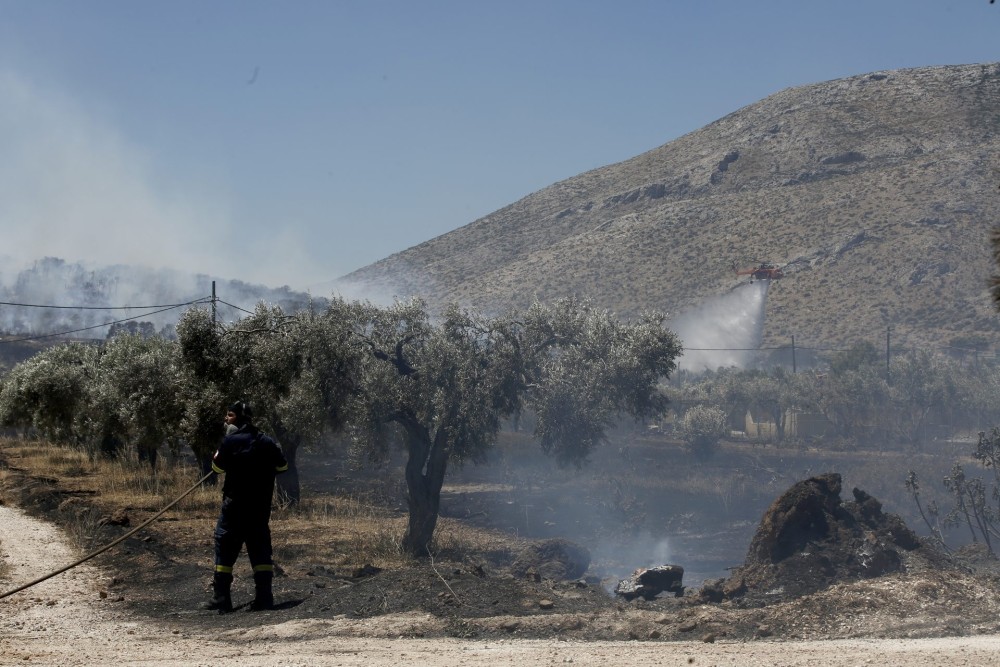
{"points": [[250, 461]]}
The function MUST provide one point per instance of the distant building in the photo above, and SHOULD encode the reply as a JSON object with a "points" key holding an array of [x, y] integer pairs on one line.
{"points": [[798, 424]]}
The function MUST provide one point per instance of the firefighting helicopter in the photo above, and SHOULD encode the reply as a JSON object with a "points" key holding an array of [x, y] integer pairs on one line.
{"points": [[766, 271]]}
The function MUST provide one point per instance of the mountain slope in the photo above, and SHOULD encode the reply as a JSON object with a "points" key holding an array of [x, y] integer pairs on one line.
{"points": [[877, 191]]}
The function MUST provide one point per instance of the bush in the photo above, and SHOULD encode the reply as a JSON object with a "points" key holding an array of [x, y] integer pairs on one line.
{"points": [[701, 428]]}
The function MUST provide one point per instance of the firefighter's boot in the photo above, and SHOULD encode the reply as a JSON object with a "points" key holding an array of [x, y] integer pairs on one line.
{"points": [[222, 600], [264, 598]]}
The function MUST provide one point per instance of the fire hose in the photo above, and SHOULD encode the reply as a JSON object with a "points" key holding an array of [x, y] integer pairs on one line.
{"points": [[108, 546]]}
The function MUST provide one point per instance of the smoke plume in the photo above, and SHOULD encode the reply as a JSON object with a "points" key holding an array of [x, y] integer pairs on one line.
{"points": [[724, 331]]}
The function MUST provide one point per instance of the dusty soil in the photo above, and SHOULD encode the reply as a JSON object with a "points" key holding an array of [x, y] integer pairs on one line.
{"points": [[137, 605], [72, 619]]}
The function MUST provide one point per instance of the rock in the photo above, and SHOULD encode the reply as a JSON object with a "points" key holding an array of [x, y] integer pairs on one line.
{"points": [[687, 626], [734, 587], [647, 583], [712, 590], [546, 604]]}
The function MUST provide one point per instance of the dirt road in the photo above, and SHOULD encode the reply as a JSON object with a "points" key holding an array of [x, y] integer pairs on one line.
{"points": [[66, 621]]}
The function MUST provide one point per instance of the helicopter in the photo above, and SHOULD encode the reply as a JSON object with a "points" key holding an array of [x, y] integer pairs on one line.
{"points": [[766, 271]]}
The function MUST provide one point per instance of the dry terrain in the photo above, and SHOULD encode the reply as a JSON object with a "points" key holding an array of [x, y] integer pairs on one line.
{"points": [[876, 192], [346, 597]]}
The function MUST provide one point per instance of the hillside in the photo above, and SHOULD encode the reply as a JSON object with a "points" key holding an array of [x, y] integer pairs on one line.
{"points": [[877, 192]]}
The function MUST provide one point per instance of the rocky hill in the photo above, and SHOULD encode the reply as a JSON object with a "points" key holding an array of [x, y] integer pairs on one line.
{"points": [[877, 193]]}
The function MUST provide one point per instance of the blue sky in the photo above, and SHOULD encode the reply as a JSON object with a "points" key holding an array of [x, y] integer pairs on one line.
{"points": [[293, 142]]}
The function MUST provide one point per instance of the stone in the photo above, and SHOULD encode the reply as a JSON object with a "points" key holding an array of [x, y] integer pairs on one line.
{"points": [[647, 583]]}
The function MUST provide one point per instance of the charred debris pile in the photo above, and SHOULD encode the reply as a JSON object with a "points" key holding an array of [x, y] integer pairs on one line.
{"points": [[810, 539]]}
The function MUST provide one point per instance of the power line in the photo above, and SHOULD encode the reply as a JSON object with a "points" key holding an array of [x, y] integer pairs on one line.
{"points": [[40, 305], [226, 303], [213, 299], [98, 326], [733, 349]]}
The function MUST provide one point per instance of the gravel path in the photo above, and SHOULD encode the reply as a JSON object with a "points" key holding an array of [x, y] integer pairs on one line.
{"points": [[66, 621]]}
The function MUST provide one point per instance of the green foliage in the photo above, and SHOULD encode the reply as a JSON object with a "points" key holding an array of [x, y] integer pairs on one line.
{"points": [[583, 368], [138, 388], [924, 397], [448, 386], [701, 428], [49, 391], [200, 343], [297, 372], [920, 385]]}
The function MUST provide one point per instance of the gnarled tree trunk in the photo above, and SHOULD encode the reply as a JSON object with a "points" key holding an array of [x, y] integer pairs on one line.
{"points": [[288, 482], [425, 469]]}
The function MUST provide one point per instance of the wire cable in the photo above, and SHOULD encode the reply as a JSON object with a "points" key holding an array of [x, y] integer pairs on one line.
{"points": [[226, 303], [105, 324], [41, 305], [108, 546]]}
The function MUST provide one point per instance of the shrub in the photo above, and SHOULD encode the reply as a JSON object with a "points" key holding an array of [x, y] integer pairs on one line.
{"points": [[701, 428]]}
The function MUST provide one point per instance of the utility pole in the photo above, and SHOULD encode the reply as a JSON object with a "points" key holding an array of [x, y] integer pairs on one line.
{"points": [[213, 303], [794, 370]]}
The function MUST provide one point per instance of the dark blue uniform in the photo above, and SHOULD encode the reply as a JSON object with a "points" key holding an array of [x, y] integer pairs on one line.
{"points": [[250, 460]]}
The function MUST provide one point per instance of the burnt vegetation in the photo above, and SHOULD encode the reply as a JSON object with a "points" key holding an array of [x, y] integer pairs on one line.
{"points": [[597, 453]]}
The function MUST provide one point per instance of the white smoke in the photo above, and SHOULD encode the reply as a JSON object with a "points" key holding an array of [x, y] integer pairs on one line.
{"points": [[75, 186], [724, 331], [92, 297]]}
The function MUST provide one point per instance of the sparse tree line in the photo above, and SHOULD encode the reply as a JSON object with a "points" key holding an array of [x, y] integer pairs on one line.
{"points": [[919, 397], [440, 387], [443, 387]]}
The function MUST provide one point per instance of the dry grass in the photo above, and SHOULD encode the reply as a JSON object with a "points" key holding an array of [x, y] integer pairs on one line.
{"points": [[342, 532], [122, 482]]}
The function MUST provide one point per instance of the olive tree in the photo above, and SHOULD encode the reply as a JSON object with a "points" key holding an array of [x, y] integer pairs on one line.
{"points": [[50, 391], [205, 379], [854, 400], [139, 383], [447, 386], [444, 388], [295, 370], [921, 387], [583, 368], [320, 378]]}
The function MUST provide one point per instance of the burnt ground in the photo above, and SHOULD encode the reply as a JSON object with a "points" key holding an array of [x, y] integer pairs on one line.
{"points": [[929, 594]]}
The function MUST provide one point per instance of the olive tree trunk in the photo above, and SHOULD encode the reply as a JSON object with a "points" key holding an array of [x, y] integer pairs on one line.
{"points": [[287, 482], [425, 468]]}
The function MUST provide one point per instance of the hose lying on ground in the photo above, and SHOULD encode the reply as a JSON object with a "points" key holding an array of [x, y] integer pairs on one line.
{"points": [[108, 546]]}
